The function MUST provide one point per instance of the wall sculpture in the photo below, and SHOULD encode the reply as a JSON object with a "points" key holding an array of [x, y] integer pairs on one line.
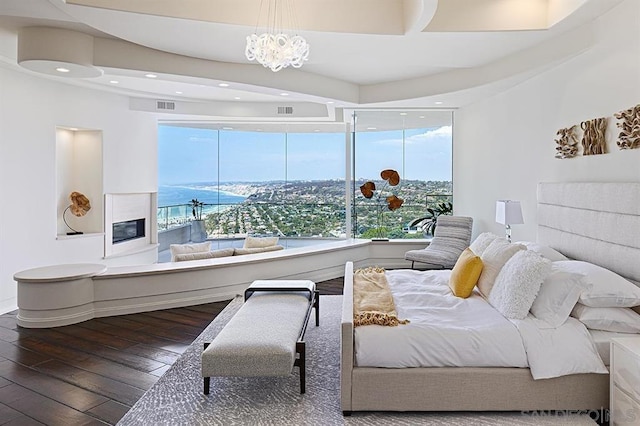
{"points": [[593, 138], [567, 143], [629, 137]]}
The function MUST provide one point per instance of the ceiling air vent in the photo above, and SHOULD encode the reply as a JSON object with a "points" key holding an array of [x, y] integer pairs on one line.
{"points": [[166, 105], [285, 110]]}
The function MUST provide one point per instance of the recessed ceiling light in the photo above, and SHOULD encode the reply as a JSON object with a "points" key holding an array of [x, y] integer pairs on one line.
{"points": [[150, 75], [178, 92], [75, 129], [438, 103], [284, 94], [371, 128], [316, 130], [62, 69], [329, 102], [227, 128], [114, 81], [422, 116], [223, 85], [259, 130], [237, 98], [403, 113]]}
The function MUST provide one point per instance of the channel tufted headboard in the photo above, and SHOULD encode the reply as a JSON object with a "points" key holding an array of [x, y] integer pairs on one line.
{"points": [[593, 221]]}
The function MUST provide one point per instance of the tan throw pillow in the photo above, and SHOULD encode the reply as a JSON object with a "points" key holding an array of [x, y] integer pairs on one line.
{"points": [[238, 251], [482, 241], [493, 259], [204, 255], [260, 242], [465, 274], [188, 248]]}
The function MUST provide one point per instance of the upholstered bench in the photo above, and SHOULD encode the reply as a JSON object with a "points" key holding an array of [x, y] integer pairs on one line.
{"points": [[265, 337]]}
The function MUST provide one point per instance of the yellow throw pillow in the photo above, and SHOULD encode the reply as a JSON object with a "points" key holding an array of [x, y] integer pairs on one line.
{"points": [[465, 274]]}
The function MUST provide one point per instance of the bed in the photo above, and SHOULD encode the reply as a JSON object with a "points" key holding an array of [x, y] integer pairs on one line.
{"points": [[595, 222]]}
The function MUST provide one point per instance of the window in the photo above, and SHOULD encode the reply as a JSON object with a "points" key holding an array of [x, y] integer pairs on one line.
{"points": [[255, 182], [289, 179], [418, 145]]}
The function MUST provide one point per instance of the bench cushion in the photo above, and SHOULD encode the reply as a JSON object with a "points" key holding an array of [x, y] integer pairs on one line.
{"points": [[260, 339], [308, 284]]}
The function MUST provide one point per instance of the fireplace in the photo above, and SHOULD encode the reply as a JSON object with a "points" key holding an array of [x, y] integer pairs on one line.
{"points": [[130, 225], [128, 230]]}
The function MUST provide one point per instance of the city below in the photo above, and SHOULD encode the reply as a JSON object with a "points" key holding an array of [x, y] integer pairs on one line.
{"points": [[307, 208]]}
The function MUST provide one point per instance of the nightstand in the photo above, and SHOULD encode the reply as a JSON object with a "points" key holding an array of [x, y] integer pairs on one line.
{"points": [[625, 381]]}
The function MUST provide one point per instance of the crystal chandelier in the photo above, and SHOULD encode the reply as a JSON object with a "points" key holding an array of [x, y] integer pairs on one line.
{"points": [[275, 49]]}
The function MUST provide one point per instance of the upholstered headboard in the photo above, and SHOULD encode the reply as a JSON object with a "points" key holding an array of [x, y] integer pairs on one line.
{"points": [[596, 222]]}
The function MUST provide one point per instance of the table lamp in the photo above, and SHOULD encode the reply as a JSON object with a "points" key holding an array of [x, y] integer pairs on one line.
{"points": [[508, 213]]}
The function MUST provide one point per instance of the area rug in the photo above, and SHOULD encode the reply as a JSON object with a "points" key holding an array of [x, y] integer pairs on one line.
{"points": [[177, 397]]}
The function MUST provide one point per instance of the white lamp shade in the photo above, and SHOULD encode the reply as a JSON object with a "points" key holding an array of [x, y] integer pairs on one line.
{"points": [[509, 212]]}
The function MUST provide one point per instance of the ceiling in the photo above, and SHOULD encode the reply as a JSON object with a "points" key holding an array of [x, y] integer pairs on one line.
{"points": [[398, 54]]}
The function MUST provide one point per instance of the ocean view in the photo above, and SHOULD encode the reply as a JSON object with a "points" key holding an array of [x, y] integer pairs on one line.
{"points": [[173, 195]]}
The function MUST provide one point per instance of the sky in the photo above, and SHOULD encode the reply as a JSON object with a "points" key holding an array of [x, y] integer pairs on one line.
{"points": [[187, 155]]}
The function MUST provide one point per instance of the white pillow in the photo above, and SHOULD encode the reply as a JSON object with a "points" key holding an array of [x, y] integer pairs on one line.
{"points": [[188, 248], [493, 259], [620, 320], [607, 289], [544, 251], [558, 295], [260, 242], [482, 241], [518, 284]]}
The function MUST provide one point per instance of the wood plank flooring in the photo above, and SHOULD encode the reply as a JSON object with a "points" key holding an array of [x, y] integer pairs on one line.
{"points": [[91, 373]]}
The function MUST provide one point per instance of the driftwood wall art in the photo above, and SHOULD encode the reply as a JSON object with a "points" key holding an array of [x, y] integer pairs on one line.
{"points": [[629, 137], [567, 143], [594, 136]]}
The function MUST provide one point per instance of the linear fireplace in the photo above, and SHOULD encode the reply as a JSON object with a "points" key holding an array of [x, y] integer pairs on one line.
{"points": [[128, 230]]}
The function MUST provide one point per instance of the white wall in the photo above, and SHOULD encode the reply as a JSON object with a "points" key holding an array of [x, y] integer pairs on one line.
{"points": [[30, 110], [505, 145]]}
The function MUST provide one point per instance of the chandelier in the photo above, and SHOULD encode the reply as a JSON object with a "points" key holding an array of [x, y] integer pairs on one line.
{"points": [[277, 49]]}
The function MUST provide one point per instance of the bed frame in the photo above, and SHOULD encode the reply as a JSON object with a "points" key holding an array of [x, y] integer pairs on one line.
{"points": [[596, 222]]}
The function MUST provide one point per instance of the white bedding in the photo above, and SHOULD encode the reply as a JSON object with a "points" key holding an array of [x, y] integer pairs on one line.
{"points": [[445, 330]]}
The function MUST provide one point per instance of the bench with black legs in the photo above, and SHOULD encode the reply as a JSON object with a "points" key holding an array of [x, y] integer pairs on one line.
{"points": [[266, 336]]}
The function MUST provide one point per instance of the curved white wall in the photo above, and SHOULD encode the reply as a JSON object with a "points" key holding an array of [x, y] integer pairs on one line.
{"points": [[30, 110], [504, 145]]}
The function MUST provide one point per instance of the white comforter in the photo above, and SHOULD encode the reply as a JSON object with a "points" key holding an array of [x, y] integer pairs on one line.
{"points": [[449, 331]]}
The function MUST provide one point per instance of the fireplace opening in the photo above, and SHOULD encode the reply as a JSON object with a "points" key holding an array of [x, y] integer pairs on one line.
{"points": [[128, 230]]}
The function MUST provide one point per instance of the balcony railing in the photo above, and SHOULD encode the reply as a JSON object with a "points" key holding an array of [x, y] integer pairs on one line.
{"points": [[301, 220]]}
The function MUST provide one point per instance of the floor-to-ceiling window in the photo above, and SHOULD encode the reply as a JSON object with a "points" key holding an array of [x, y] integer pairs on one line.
{"points": [[257, 179], [288, 180], [415, 143]]}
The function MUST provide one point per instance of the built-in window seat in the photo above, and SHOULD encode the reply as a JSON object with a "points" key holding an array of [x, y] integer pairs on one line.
{"points": [[67, 294]]}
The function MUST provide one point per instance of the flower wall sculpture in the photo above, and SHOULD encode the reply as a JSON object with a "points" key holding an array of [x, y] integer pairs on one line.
{"points": [[384, 197]]}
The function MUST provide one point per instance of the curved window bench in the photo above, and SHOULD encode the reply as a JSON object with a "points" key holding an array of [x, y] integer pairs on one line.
{"points": [[67, 294]]}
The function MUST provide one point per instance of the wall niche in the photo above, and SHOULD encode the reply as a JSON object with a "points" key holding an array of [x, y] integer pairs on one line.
{"points": [[79, 168]]}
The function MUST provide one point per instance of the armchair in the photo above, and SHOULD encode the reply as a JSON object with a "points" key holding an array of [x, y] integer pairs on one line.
{"points": [[452, 236]]}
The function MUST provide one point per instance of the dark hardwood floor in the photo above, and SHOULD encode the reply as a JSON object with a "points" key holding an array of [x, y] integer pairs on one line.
{"points": [[94, 371]]}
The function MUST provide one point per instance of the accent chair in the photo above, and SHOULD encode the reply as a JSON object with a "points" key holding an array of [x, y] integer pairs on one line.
{"points": [[452, 236]]}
